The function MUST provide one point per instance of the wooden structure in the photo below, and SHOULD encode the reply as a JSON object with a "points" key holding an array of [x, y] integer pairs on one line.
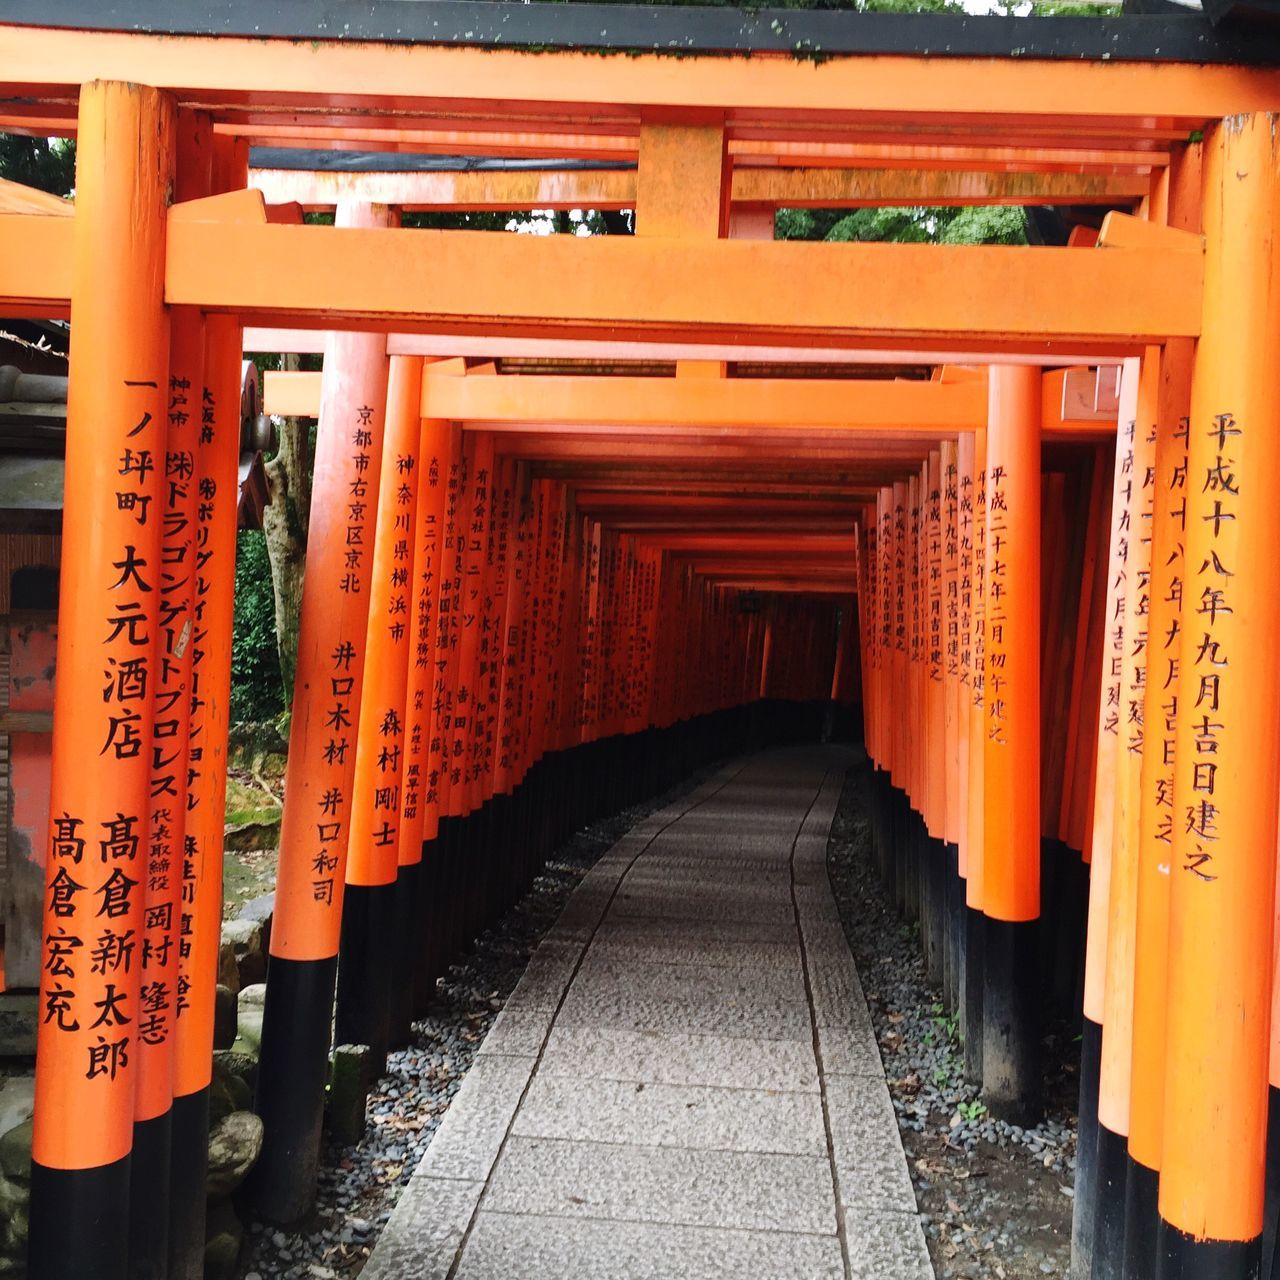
{"points": [[589, 509]]}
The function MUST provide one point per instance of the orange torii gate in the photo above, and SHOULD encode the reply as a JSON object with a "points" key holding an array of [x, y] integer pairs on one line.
{"points": [[573, 622]]}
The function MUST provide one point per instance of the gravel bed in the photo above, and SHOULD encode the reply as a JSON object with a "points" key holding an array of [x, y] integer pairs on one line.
{"points": [[995, 1199], [359, 1185]]}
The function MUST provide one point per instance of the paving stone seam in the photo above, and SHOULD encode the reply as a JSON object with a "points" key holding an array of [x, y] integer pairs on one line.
{"points": [[681, 1226], [841, 1232], [550, 1139], [699, 797]]}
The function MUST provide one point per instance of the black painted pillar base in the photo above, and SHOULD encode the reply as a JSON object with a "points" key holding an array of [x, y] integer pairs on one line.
{"points": [[293, 1067], [1085, 1206], [1011, 1022], [933, 911], [406, 946], [427, 927], [953, 927], [1141, 1220], [188, 1167], [1271, 1213], [79, 1223], [975, 965], [149, 1199], [1181, 1257], [1108, 1225], [363, 1010]]}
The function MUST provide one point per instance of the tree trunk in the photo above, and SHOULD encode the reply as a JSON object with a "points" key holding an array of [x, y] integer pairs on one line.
{"points": [[285, 520]]}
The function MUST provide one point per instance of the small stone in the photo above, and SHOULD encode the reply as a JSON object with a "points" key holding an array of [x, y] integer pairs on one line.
{"points": [[224, 1235], [234, 1146], [348, 1093]]}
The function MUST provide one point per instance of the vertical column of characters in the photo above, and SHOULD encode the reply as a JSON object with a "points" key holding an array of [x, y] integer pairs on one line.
{"points": [[1117, 999], [162, 903], [365, 970], [1124, 490], [96, 865], [444, 654], [418, 856], [951, 638], [314, 830], [1164, 589], [1227, 757], [885, 644], [217, 486], [965, 483], [935, 655], [901, 637], [509, 744]]}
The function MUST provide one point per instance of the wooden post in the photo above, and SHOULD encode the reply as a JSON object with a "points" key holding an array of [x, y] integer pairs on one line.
{"points": [[1117, 1019], [200, 926], [1227, 765], [96, 868], [1011, 779], [162, 938], [1155, 836], [322, 748], [365, 968], [1085, 1208], [975, 921]]}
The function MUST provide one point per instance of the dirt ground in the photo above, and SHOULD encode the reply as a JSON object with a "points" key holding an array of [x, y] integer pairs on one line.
{"points": [[995, 1202]]}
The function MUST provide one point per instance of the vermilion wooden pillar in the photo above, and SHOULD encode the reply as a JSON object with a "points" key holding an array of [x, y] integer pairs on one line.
{"points": [[1227, 766], [96, 869], [322, 748], [1085, 1208], [1117, 1017], [365, 960], [167, 858], [200, 927], [1011, 753], [1155, 839]]}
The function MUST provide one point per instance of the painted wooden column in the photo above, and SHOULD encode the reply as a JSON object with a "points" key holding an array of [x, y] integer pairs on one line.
{"points": [[217, 459], [162, 913], [419, 855], [1156, 782], [1227, 765], [1085, 1206], [366, 955], [96, 869], [1117, 1000], [322, 749], [1011, 764]]}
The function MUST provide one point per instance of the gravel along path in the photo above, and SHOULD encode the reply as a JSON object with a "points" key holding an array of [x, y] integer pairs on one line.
{"points": [[995, 1199], [359, 1185]]}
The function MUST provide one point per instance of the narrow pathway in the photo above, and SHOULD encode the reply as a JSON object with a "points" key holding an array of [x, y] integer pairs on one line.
{"points": [[685, 1083]]}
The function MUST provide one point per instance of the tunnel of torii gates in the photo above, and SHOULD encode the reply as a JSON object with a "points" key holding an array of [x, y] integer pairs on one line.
{"points": [[591, 510]]}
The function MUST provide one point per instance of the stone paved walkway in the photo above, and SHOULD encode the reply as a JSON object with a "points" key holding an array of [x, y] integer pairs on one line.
{"points": [[685, 1083]]}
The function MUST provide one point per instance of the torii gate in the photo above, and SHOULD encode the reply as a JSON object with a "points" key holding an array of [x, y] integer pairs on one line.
{"points": [[167, 256]]}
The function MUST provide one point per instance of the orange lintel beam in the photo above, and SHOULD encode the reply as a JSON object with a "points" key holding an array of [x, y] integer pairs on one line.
{"points": [[231, 69], [927, 407], [469, 281], [472, 280]]}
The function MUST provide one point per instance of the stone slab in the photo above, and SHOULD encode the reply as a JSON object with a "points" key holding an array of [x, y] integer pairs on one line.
{"points": [[650, 949], [884, 1245], [518, 1033], [867, 1147], [664, 1184], [425, 1230], [544, 1248], [850, 1051], [472, 1131], [732, 1063], [686, 904], [697, 1117], [543, 983]]}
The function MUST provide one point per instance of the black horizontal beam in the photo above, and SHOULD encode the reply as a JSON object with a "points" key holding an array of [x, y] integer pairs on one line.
{"points": [[709, 29]]}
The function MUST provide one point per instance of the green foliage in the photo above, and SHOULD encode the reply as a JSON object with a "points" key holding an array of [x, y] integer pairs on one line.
{"points": [[48, 164], [256, 689], [977, 224]]}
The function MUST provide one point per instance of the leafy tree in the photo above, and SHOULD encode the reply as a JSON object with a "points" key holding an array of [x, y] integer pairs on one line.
{"points": [[257, 692], [49, 164]]}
